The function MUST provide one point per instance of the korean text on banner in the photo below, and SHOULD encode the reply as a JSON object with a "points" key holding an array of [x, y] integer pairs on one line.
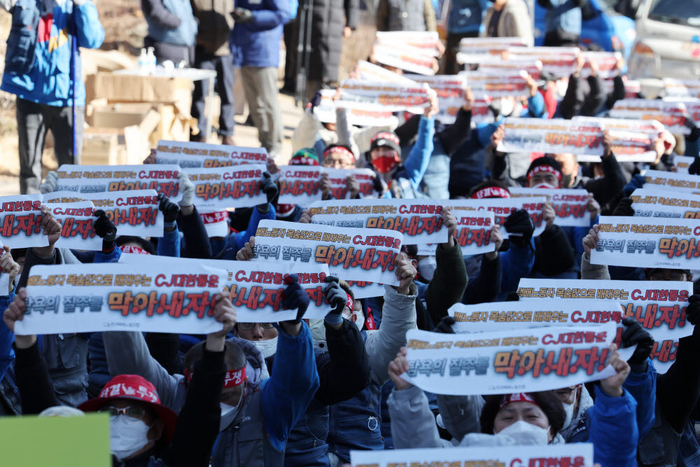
{"points": [[674, 181], [524, 360], [681, 88], [338, 179], [656, 202], [228, 187], [327, 110], [20, 221], [450, 93], [551, 136], [385, 96], [63, 441], [571, 455], [405, 57], [256, 288], [108, 178], [71, 298], [669, 114], [502, 208], [648, 243], [133, 213], [658, 306], [419, 221], [569, 204], [497, 83], [351, 254], [558, 61], [233, 155], [300, 185], [473, 234], [77, 226], [683, 163]]}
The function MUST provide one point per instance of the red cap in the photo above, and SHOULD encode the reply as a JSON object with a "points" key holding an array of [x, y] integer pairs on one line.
{"points": [[136, 388]]}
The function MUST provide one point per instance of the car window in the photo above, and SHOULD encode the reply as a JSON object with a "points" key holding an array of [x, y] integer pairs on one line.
{"points": [[685, 12]]}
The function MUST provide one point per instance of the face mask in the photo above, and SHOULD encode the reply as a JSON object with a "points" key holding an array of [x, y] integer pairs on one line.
{"points": [[384, 164], [569, 409], [267, 347], [427, 267], [358, 318], [545, 185], [524, 433], [127, 436], [228, 413]]}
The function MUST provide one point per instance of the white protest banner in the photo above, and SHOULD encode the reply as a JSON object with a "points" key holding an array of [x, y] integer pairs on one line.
{"points": [[551, 136], [632, 87], [255, 287], [384, 96], [674, 181], [367, 71], [632, 139], [326, 112], [554, 455], [77, 226], [405, 57], [681, 88], [692, 108], [683, 163], [669, 114], [655, 202], [569, 204], [193, 162], [559, 61], [420, 221], [450, 93], [606, 61], [425, 41], [72, 298], [473, 234], [497, 84], [488, 45], [338, 178], [20, 221], [351, 254], [363, 289], [648, 242], [649, 127], [512, 66], [213, 153], [658, 306], [90, 179], [481, 110], [502, 208], [228, 187], [533, 313], [133, 212], [513, 360], [300, 185]]}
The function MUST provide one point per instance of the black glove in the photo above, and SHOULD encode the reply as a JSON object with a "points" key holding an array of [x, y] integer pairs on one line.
{"points": [[694, 168], [295, 297], [337, 297], [520, 228], [624, 208], [633, 334], [692, 311], [378, 184], [512, 296], [242, 15], [694, 130], [268, 187], [104, 228], [169, 209], [316, 99], [445, 325]]}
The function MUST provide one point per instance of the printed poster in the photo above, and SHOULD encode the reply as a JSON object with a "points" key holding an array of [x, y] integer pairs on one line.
{"points": [[384, 96], [450, 93], [326, 113], [351, 254], [73, 298], [656, 202], [228, 187], [502, 208], [473, 234], [300, 185], [338, 178], [77, 230], [551, 136], [669, 114], [569, 204], [683, 163], [233, 155], [674, 181], [20, 221]]}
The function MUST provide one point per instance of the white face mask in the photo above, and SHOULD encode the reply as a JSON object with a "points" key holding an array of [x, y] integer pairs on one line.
{"points": [[545, 185], [267, 347], [526, 434], [358, 318], [427, 267], [228, 413], [569, 409], [127, 436]]}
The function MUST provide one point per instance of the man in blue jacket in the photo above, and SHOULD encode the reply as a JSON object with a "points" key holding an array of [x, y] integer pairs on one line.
{"points": [[255, 43], [38, 66]]}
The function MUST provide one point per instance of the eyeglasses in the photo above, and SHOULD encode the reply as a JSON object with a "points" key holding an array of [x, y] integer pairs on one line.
{"points": [[131, 412], [249, 326]]}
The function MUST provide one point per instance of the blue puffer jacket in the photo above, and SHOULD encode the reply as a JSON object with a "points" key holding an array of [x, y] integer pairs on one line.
{"points": [[185, 34], [38, 63], [257, 43]]}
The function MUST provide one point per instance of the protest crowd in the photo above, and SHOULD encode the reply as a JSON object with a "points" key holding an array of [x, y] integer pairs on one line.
{"points": [[481, 252]]}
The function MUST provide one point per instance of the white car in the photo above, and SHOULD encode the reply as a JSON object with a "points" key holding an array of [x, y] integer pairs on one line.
{"points": [[668, 40]]}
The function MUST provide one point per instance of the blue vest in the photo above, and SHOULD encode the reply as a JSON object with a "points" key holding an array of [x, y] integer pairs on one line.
{"points": [[307, 445], [185, 34]]}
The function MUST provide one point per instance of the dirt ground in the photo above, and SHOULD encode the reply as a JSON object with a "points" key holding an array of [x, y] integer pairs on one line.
{"points": [[125, 29]]}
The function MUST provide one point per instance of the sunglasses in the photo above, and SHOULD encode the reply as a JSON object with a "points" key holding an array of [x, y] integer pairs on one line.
{"points": [[131, 412], [249, 326]]}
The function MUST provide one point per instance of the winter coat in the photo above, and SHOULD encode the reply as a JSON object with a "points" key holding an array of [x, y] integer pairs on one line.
{"points": [[515, 21], [170, 21], [329, 19], [38, 57], [449, 281], [217, 23], [257, 43], [406, 15]]}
